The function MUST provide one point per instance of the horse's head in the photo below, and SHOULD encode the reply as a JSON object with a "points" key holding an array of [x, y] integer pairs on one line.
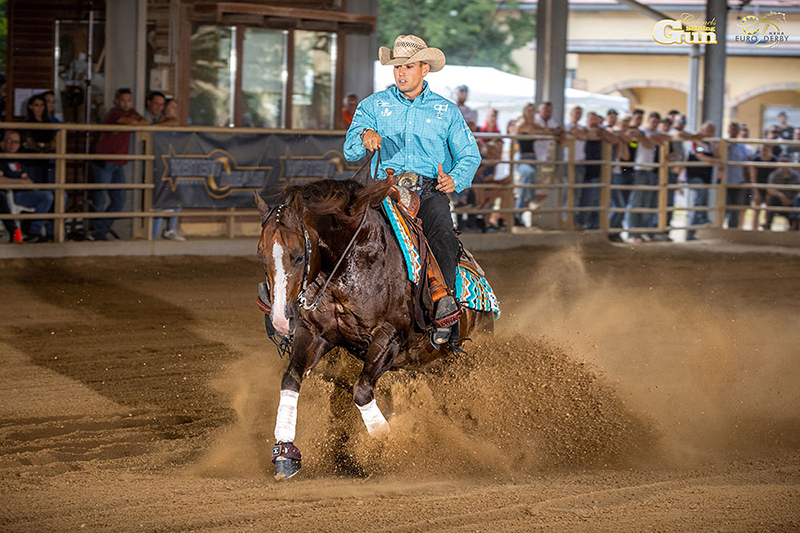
{"points": [[288, 249]]}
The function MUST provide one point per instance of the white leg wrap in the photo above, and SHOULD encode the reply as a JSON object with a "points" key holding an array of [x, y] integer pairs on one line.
{"points": [[373, 419], [287, 416]]}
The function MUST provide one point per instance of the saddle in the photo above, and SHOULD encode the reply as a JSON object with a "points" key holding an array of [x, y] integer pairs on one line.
{"points": [[431, 286]]}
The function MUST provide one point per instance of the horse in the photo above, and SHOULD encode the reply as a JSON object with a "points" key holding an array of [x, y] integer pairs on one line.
{"points": [[327, 243]]}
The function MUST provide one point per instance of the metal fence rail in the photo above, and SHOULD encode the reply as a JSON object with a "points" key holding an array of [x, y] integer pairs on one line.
{"points": [[558, 175]]}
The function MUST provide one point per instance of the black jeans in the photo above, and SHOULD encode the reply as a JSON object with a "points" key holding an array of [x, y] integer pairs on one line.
{"points": [[434, 211]]}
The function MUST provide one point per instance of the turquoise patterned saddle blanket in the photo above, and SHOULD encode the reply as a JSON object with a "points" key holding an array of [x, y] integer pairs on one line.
{"points": [[472, 289]]}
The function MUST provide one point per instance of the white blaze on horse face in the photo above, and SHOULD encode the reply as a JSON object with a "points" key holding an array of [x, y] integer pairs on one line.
{"points": [[377, 426], [278, 315], [287, 416]]}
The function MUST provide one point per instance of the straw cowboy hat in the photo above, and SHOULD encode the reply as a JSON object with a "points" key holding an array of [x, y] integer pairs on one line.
{"points": [[410, 49]]}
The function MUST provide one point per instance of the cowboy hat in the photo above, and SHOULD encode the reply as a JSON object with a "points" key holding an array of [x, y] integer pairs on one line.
{"points": [[410, 49]]}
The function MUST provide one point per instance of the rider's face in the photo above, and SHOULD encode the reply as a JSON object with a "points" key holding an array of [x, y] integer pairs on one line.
{"points": [[409, 78]]}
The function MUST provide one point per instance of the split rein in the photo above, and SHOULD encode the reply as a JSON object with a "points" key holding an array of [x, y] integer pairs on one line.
{"points": [[301, 298]]}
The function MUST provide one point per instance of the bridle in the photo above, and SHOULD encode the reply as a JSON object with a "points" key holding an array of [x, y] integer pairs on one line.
{"points": [[302, 301]]}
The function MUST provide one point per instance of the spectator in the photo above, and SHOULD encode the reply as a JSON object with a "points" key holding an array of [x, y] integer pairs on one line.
{"points": [[793, 151], [50, 98], [13, 172], [533, 123], [470, 115], [777, 197], [759, 176], [679, 137], [784, 130], [348, 109], [113, 171], [39, 141], [773, 134], [665, 125], [168, 118], [737, 153], [701, 151], [593, 137], [744, 131], [170, 115], [671, 115], [154, 107], [490, 125], [648, 139], [619, 197]]}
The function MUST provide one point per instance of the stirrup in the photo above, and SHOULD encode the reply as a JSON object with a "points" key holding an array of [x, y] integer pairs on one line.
{"points": [[447, 314]]}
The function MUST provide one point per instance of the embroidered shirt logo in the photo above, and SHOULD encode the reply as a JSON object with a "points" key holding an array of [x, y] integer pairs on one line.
{"points": [[386, 112], [440, 110]]}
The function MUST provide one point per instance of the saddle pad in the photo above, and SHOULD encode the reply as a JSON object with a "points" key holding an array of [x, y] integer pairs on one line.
{"points": [[472, 290]]}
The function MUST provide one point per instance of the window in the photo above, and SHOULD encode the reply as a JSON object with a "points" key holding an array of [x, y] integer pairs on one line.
{"points": [[213, 64], [274, 86], [313, 80]]}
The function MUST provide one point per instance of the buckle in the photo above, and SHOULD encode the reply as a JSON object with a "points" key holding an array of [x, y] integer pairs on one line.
{"points": [[410, 180]]}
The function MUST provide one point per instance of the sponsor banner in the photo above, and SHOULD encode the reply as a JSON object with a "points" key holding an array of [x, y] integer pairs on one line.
{"points": [[764, 30], [687, 30], [218, 170]]}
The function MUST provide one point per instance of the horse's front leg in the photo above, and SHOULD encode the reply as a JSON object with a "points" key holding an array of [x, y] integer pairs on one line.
{"points": [[381, 353], [307, 350]]}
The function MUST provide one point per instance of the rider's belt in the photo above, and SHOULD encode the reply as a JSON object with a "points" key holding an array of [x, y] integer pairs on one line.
{"points": [[414, 182]]}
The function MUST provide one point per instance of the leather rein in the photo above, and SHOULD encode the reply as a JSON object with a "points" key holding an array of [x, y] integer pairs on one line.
{"points": [[301, 297]]}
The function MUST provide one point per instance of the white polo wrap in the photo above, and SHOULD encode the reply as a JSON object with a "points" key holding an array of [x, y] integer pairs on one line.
{"points": [[287, 416], [374, 419]]}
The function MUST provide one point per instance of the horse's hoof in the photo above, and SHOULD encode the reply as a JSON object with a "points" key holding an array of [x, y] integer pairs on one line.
{"points": [[286, 457], [286, 468]]}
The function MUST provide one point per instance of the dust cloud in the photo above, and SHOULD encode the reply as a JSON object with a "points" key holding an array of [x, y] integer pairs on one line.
{"points": [[587, 372]]}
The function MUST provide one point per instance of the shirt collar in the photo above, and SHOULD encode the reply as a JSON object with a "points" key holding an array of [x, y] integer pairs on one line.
{"points": [[422, 96]]}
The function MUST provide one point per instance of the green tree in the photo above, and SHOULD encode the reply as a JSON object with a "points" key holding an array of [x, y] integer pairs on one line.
{"points": [[469, 32]]}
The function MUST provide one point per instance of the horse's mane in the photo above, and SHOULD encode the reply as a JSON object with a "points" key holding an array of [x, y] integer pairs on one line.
{"points": [[343, 199]]}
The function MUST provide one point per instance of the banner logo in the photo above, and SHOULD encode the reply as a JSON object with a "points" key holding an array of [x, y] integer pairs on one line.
{"points": [[763, 31], [688, 30], [218, 170]]}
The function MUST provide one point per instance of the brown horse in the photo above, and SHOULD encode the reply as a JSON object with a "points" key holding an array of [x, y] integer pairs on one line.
{"points": [[327, 243]]}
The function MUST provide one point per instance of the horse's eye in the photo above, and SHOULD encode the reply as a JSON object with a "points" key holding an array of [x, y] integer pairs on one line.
{"points": [[297, 260]]}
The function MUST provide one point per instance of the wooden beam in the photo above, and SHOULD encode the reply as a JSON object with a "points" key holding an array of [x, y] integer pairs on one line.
{"points": [[223, 8]]}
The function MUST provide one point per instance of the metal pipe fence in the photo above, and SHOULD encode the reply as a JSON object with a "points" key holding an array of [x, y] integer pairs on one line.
{"points": [[557, 176]]}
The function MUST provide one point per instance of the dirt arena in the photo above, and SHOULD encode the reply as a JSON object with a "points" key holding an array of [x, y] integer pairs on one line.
{"points": [[646, 389]]}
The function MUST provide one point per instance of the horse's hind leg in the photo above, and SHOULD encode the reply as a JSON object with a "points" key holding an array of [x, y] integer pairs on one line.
{"points": [[381, 353]]}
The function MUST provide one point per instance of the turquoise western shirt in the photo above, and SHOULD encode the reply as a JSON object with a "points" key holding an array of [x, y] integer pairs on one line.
{"points": [[417, 135]]}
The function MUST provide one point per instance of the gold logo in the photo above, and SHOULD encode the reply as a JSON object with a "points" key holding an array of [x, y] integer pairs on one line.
{"points": [[688, 30], [763, 31]]}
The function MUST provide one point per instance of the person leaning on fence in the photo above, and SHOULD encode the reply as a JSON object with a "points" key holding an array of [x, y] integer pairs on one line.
{"points": [[707, 152], [619, 152], [113, 171], [13, 172], [759, 177], [793, 151], [168, 118], [534, 121], [649, 140], [592, 136], [778, 197], [154, 107], [737, 152]]}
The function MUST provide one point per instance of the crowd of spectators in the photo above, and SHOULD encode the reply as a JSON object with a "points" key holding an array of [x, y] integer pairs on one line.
{"points": [[636, 140], [160, 110]]}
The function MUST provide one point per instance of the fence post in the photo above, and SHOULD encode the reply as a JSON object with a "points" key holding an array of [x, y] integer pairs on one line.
{"points": [[723, 180], [148, 179], [663, 182], [605, 190], [60, 194], [570, 184]]}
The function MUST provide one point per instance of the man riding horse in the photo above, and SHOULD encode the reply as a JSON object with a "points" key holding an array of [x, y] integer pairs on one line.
{"points": [[423, 137]]}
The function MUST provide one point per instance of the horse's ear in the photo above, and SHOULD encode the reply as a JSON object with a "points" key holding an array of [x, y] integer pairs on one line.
{"points": [[263, 208]]}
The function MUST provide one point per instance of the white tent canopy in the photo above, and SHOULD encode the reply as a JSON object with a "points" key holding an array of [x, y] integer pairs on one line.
{"points": [[508, 93]]}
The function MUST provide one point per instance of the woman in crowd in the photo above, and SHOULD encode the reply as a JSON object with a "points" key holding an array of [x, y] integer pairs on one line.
{"points": [[168, 118]]}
